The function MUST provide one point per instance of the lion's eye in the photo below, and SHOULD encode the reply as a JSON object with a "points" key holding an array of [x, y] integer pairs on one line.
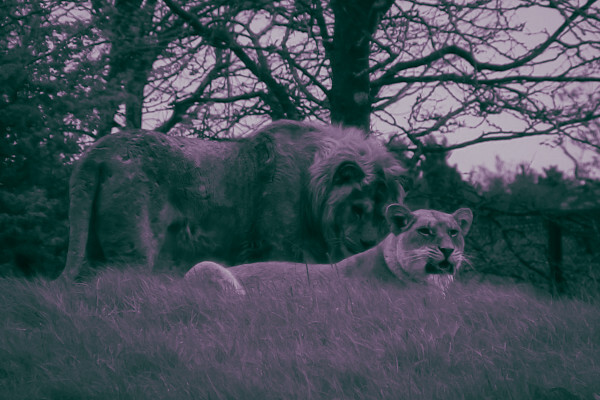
{"points": [[381, 193], [425, 231], [453, 232], [358, 210]]}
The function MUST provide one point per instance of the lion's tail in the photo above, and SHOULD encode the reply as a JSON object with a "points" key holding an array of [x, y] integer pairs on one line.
{"points": [[83, 190]]}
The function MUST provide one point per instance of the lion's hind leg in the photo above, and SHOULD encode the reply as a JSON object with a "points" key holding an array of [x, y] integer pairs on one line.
{"points": [[214, 275], [84, 186]]}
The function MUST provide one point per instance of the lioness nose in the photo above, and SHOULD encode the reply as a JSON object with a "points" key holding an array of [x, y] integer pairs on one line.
{"points": [[446, 252]]}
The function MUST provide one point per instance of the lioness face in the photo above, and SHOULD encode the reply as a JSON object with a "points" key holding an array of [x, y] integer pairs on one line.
{"points": [[427, 244], [434, 244]]}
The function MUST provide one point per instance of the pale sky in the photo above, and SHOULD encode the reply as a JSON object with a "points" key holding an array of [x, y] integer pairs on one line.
{"points": [[537, 153]]}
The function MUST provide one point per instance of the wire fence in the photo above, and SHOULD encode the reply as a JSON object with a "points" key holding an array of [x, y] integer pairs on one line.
{"points": [[558, 250]]}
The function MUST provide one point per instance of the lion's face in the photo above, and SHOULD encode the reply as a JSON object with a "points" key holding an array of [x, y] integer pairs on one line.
{"points": [[360, 220], [354, 213], [432, 247]]}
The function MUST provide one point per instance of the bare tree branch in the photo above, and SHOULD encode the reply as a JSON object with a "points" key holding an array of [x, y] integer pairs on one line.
{"points": [[490, 81], [181, 107], [468, 56], [281, 105], [502, 136]]}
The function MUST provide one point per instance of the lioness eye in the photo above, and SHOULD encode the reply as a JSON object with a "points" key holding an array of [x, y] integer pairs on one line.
{"points": [[453, 232], [424, 231]]}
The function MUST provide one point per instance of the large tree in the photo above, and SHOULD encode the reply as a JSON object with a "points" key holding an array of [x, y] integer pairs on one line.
{"points": [[415, 68], [488, 69]]}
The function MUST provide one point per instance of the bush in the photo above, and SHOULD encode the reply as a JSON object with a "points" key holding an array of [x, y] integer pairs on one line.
{"points": [[33, 233]]}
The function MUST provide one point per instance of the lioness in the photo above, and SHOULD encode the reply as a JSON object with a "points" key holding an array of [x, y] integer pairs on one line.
{"points": [[425, 245], [291, 191]]}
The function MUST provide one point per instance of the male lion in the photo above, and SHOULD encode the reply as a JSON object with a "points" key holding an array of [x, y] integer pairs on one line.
{"points": [[425, 245], [292, 191]]}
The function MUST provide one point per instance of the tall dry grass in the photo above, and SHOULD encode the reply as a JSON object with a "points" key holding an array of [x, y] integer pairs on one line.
{"points": [[128, 335]]}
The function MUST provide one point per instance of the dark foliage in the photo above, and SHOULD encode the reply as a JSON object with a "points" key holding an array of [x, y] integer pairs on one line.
{"points": [[34, 148]]}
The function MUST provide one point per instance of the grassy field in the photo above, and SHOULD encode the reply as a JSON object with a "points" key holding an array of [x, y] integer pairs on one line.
{"points": [[128, 335]]}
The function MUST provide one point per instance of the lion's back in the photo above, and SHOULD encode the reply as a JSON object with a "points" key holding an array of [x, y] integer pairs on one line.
{"points": [[278, 271]]}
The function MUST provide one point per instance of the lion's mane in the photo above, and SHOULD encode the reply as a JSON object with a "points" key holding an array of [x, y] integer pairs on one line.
{"points": [[291, 191], [337, 147]]}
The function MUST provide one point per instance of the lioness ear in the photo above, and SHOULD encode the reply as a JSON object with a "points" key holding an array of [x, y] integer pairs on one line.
{"points": [[464, 217], [348, 172], [399, 218]]}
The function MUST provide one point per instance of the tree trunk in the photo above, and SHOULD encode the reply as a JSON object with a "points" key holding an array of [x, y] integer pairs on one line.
{"points": [[355, 22], [131, 58]]}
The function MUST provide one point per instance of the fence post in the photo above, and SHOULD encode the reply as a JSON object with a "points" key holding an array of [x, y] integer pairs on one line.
{"points": [[555, 255]]}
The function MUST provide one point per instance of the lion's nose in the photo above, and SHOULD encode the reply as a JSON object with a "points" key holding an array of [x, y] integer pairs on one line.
{"points": [[367, 244], [446, 252]]}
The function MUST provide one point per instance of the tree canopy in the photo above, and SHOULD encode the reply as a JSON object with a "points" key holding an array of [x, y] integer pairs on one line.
{"points": [[489, 70]]}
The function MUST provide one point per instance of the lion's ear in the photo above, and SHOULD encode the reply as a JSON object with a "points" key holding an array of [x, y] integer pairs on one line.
{"points": [[264, 148], [464, 217], [399, 217], [348, 172]]}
